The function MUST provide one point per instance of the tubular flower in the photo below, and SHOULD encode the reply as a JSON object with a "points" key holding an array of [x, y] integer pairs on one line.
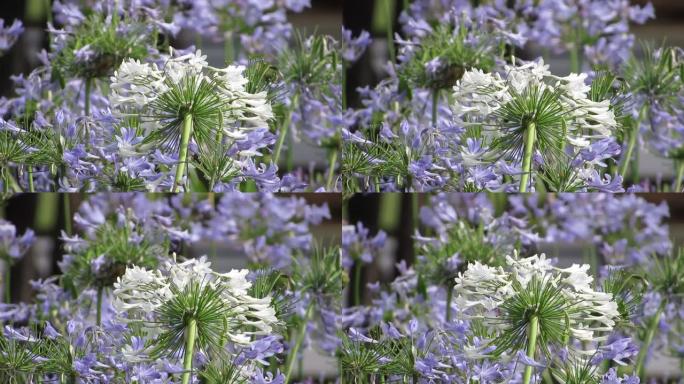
{"points": [[562, 299], [147, 297], [188, 84], [482, 97]]}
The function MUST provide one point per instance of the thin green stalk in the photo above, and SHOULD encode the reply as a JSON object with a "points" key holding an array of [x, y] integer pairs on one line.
{"points": [[66, 206], [88, 89], [415, 211], [284, 129], [5, 181], [640, 367], [628, 155], [530, 136], [183, 151], [435, 102], [574, 59], [450, 294], [100, 291], [30, 179], [576, 54], [634, 133], [8, 283], [115, 14], [331, 173], [531, 347], [680, 173], [191, 333], [344, 86], [358, 265], [228, 49], [390, 31], [298, 343]]}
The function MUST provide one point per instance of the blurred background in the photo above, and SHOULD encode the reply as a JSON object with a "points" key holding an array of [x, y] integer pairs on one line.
{"points": [[374, 16], [398, 215]]}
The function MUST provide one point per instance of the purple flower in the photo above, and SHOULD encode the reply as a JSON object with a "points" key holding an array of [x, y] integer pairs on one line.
{"points": [[605, 184], [617, 350], [358, 245], [9, 35], [12, 248], [611, 377], [353, 48]]}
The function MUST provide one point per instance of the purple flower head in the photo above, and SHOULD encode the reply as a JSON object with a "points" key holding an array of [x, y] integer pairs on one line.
{"points": [[358, 245], [611, 377], [13, 247], [9, 35], [617, 350], [353, 48]]}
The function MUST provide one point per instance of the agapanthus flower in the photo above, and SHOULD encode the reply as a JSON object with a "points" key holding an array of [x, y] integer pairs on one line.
{"points": [[562, 300], [137, 87], [187, 101], [359, 246], [9, 35], [527, 109], [146, 296], [12, 246], [353, 48]]}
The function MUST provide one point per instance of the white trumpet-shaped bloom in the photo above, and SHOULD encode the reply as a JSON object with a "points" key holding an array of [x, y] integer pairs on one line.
{"points": [[478, 95], [135, 86], [481, 291], [139, 293]]}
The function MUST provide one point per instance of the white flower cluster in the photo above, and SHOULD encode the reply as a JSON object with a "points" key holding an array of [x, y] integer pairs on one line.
{"points": [[139, 292], [136, 85], [482, 289], [478, 95]]}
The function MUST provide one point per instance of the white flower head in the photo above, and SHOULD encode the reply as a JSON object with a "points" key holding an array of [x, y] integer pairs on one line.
{"points": [[140, 295], [148, 90], [478, 96], [490, 293]]}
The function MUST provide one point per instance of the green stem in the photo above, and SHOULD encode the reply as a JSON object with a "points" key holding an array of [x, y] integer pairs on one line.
{"points": [[298, 343], [415, 211], [344, 86], [358, 266], [390, 32], [228, 49], [435, 102], [576, 53], [450, 293], [680, 173], [640, 367], [8, 283], [30, 179], [331, 172], [100, 290], [183, 151], [88, 89], [633, 134], [531, 347], [115, 14], [530, 136], [628, 154], [66, 206], [284, 129], [191, 332], [574, 59]]}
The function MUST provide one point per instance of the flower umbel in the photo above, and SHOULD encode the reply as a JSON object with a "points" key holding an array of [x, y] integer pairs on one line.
{"points": [[560, 300], [192, 289]]}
